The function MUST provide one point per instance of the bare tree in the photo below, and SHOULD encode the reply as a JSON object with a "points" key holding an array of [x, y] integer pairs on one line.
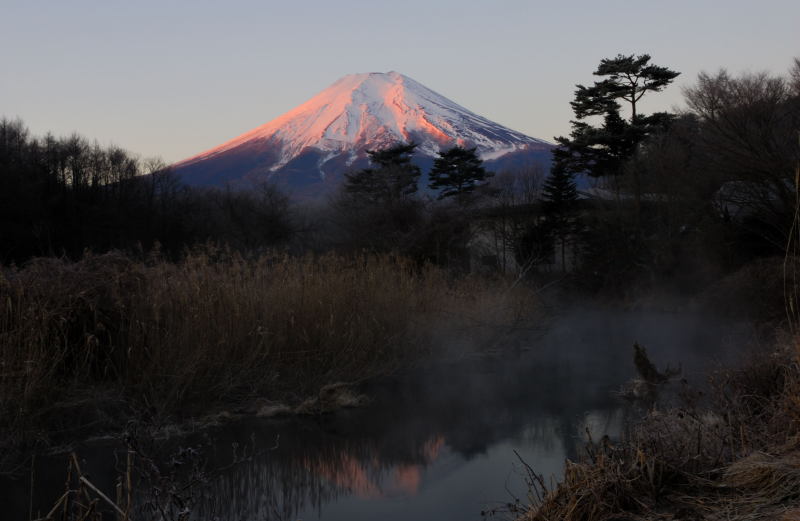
{"points": [[749, 138]]}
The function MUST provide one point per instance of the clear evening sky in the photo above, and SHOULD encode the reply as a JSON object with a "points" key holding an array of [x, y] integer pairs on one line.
{"points": [[173, 78]]}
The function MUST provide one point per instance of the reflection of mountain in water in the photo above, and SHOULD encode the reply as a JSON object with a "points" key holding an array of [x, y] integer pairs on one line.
{"points": [[299, 476], [371, 477], [439, 443], [449, 432]]}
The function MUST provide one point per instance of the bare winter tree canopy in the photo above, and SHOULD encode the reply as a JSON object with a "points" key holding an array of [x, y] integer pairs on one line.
{"points": [[750, 138]]}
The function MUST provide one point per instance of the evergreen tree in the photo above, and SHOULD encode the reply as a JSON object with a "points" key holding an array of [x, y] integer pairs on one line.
{"points": [[560, 208], [376, 208], [604, 150], [457, 172], [393, 179], [601, 150], [628, 78]]}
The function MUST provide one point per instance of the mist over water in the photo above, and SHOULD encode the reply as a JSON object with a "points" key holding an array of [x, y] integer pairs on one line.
{"points": [[439, 442]]}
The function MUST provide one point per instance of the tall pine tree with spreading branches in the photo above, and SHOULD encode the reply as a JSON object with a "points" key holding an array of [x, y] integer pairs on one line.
{"points": [[601, 150]]}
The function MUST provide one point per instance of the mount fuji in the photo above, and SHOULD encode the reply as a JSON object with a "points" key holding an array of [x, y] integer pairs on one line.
{"points": [[308, 149]]}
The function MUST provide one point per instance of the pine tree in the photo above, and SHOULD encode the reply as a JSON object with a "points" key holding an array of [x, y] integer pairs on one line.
{"points": [[628, 78], [601, 150], [377, 208], [393, 179], [604, 150], [457, 172]]}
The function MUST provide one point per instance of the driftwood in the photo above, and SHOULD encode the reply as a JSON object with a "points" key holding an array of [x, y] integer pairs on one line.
{"points": [[647, 370], [646, 386]]}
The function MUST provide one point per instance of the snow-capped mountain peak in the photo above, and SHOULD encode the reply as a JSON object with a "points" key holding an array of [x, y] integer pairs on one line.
{"points": [[356, 113], [374, 109]]}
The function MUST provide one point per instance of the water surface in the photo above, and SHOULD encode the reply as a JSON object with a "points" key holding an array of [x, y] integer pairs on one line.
{"points": [[441, 443]]}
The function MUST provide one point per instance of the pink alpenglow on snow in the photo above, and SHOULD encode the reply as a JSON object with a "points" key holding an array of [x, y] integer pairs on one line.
{"points": [[309, 148]]}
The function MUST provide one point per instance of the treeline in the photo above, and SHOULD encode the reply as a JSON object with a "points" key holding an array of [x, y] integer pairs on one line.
{"points": [[62, 196], [65, 196], [382, 208], [678, 197]]}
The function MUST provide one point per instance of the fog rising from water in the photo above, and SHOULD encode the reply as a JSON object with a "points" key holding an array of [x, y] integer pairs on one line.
{"points": [[439, 442]]}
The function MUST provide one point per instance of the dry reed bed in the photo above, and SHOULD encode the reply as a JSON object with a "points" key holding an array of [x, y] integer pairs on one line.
{"points": [[217, 328], [737, 459]]}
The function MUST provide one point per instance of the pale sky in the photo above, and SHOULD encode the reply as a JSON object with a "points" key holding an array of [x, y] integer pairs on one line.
{"points": [[170, 79]]}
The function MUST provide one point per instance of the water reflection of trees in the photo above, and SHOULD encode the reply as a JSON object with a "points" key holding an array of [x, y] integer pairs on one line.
{"points": [[384, 450]]}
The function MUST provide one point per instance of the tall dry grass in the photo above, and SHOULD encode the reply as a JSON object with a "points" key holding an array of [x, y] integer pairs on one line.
{"points": [[220, 328]]}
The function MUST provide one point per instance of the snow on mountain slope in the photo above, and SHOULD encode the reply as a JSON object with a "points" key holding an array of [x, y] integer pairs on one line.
{"points": [[331, 131]]}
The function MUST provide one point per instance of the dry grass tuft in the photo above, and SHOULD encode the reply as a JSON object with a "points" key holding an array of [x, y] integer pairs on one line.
{"points": [[777, 474]]}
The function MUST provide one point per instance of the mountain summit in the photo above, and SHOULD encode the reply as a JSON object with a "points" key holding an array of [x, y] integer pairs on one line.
{"points": [[309, 148]]}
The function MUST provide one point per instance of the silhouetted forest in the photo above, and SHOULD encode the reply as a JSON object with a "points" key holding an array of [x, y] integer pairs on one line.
{"points": [[682, 197], [62, 196]]}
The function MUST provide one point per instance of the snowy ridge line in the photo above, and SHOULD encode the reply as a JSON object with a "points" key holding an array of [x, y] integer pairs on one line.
{"points": [[368, 109]]}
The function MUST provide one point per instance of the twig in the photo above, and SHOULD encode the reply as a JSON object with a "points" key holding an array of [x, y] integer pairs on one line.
{"points": [[80, 474], [536, 481], [89, 511], [30, 497], [128, 486], [99, 493], [66, 487], [58, 504]]}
